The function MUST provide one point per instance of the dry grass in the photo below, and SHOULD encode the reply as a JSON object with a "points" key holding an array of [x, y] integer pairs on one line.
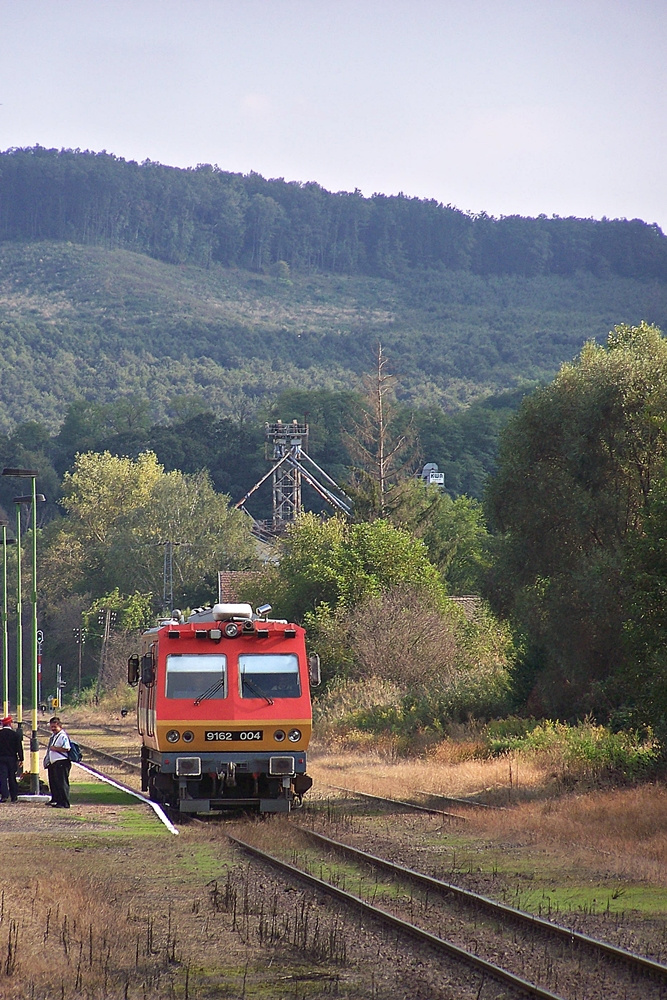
{"points": [[107, 713], [448, 768], [87, 915], [624, 830], [71, 932]]}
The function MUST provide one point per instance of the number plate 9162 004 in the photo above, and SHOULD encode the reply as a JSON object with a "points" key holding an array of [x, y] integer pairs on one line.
{"points": [[233, 736]]}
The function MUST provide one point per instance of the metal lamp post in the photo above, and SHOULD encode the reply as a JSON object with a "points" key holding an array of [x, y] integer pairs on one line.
{"points": [[5, 646], [5, 651], [32, 499], [19, 629]]}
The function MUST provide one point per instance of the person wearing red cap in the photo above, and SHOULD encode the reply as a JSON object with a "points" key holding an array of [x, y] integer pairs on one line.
{"points": [[11, 755]]}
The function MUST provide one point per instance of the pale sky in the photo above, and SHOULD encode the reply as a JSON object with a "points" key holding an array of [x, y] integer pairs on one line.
{"points": [[513, 106]]}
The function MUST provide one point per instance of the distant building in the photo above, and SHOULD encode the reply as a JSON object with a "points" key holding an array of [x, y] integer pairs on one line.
{"points": [[231, 582], [431, 477]]}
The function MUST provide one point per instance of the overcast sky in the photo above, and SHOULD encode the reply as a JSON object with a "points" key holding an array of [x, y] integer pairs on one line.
{"points": [[512, 106]]}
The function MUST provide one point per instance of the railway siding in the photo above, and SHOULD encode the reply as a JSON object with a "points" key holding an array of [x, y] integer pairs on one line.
{"points": [[525, 957]]}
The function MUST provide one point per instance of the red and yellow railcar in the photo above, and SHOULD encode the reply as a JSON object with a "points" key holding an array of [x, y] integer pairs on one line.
{"points": [[224, 711]]}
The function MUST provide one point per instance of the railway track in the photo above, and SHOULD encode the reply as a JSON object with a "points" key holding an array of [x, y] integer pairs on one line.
{"points": [[532, 956], [403, 803], [411, 930], [113, 758], [466, 803], [495, 908]]}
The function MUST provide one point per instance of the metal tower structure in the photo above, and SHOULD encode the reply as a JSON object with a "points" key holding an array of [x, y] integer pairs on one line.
{"points": [[286, 441], [286, 448]]}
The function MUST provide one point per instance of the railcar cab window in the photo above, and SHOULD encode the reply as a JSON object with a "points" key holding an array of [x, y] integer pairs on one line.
{"points": [[196, 675], [269, 675]]}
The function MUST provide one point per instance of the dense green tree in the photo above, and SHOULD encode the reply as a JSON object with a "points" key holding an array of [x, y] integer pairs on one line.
{"points": [[578, 464], [205, 215], [454, 532], [464, 443], [84, 426], [29, 447], [87, 425], [231, 451], [129, 519], [641, 688], [341, 564]]}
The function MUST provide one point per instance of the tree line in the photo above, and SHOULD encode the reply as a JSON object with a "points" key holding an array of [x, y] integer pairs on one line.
{"points": [[566, 555], [130, 532], [205, 214], [231, 450]]}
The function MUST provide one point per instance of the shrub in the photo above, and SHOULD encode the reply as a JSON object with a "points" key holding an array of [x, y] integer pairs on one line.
{"points": [[119, 697], [584, 750], [345, 697], [443, 665], [500, 733]]}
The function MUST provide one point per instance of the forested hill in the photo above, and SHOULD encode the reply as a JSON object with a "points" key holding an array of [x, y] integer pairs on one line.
{"points": [[206, 214], [121, 279]]}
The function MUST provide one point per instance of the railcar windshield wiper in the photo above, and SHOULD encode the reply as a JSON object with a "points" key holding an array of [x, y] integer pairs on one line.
{"points": [[210, 691], [257, 689]]}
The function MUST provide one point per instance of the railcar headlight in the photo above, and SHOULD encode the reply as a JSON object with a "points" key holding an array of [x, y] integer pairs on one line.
{"points": [[279, 735], [188, 736], [188, 766], [281, 765], [294, 735], [231, 629], [173, 736]]}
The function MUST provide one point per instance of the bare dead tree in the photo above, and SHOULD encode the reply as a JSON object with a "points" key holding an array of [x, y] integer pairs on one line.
{"points": [[121, 644], [401, 636], [382, 456]]}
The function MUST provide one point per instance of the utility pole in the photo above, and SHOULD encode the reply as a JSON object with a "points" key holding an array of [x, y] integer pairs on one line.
{"points": [[168, 574], [5, 650], [106, 617], [168, 577]]}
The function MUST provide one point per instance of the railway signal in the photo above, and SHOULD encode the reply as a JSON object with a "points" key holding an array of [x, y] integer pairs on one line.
{"points": [[80, 639]]}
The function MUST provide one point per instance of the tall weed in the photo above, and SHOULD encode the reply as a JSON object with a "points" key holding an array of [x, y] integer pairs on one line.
{"points": [[584, 750]]}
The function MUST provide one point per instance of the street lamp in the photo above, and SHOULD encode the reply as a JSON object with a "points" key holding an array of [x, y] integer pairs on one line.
{"points": [[32, 499], [5, 649]]}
